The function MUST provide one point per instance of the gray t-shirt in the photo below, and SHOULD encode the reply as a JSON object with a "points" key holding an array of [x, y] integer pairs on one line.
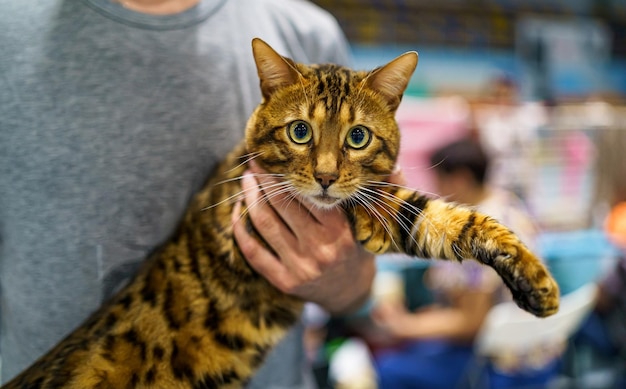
{"points": [[110, 120]]}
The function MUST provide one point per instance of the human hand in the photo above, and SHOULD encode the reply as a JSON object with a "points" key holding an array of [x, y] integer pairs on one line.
{"points": [[313, 253]]}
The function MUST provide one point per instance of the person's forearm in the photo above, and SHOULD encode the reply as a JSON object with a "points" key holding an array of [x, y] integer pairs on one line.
{"points": [[442, 323]]}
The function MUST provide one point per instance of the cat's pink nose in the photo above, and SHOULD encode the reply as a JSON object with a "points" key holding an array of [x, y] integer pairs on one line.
{"points": [[326, 179]]}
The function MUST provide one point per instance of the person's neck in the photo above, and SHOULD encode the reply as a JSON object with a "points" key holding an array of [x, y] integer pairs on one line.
{"points": [[159, 7]]}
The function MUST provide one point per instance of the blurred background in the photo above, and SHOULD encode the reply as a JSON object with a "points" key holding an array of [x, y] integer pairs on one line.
{"points": [[541, 85], [568, 56], [564, 49]]}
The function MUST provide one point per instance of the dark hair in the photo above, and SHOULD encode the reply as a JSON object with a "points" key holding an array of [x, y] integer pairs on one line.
{"points": [[505, 80], [459, 155]]}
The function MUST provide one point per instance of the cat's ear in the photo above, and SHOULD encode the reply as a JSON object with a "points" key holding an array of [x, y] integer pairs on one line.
{"points": [[275, 71], [392, 79]]}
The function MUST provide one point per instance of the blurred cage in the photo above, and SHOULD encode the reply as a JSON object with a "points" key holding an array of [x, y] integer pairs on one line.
{"points": [[562, 178]]}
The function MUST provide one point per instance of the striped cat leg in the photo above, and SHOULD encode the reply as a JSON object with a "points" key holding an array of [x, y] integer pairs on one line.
{"points": [[405, 221]]}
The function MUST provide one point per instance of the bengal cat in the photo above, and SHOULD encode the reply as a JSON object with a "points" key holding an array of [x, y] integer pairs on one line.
{"points": [[197, 316]]}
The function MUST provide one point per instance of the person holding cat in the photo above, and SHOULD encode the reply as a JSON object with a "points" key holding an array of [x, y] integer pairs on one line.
{"points": [[112, 114]]}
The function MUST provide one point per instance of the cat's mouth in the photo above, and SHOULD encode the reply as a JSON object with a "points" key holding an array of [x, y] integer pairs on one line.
{"points": [[325, 201]]}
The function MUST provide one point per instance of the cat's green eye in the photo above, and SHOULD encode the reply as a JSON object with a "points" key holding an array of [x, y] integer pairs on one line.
{"points": [[358, 137], [300, 132]]}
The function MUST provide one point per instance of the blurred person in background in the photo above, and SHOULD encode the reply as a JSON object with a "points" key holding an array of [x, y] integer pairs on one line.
{"points": [[439, 338], [112, 115]]}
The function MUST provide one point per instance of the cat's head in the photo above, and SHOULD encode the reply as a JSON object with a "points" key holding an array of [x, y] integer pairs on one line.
{"points": [[328, 130]]}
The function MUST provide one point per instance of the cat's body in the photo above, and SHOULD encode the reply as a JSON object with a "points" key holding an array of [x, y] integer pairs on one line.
{"points": [[197, 316]]}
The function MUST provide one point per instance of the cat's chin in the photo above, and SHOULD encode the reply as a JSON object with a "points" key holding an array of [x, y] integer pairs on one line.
{"points": [[325, 201]]}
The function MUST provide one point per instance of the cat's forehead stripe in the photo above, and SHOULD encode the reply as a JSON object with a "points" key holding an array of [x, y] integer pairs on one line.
{"points": [[318, 115], [347, 113], [333, 86], [319, 112]]}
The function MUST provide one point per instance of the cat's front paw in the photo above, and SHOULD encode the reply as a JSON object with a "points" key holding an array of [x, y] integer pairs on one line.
{"points": [[533, 288]]}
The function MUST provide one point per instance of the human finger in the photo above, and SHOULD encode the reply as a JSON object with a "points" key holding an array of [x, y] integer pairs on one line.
{"points": [[258, 256], [263, 216]]}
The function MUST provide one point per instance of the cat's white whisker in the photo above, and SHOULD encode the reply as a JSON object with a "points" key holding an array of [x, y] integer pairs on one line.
{"points": [[396, 200], [369, 202], [270, 188], [364, 200], [286, 192], [239, 195], [234, 198], [376, 193], [257, 175], [260, 200], [383, 184], [275, 189], [293, 195], [414, 210], [306, 98], [249, 157]]}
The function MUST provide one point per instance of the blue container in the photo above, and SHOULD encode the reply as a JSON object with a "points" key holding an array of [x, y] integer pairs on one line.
{"points": [[576, 258]]}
